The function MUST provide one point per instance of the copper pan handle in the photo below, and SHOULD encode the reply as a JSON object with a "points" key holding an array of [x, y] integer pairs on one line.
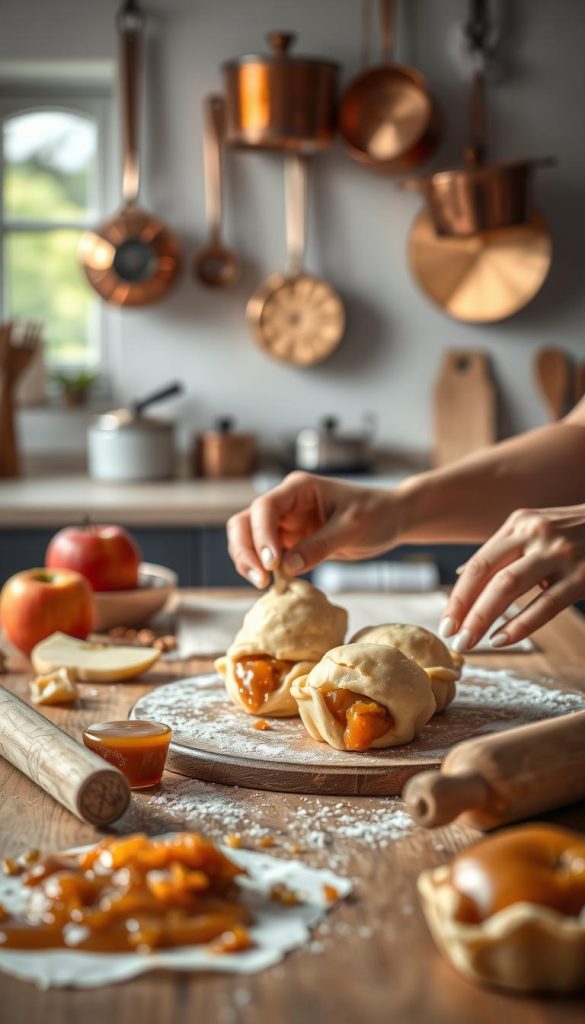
{"points": [[387, 21], [130, 23], [476, 152], [213, 140], [366, 31], [295, 188]]}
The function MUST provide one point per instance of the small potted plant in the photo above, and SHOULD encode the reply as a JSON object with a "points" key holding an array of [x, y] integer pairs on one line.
{"points": [[75, 386]]}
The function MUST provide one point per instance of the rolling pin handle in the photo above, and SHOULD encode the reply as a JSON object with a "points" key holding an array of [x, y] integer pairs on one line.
{"points": [[434, 799]]}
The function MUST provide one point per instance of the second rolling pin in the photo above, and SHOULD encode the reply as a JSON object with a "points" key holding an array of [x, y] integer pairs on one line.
{"points": [[81, 781], [505, 777]]}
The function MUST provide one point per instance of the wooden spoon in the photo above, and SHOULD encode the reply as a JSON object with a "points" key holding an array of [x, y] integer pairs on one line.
{"points": [[553, 373]]}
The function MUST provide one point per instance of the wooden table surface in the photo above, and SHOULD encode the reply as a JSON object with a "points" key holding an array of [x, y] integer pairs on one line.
{"points": [[373, 960]]}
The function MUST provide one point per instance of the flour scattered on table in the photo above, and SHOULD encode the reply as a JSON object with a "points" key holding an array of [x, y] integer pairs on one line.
{"points": [[488, 700], [299, 825]]}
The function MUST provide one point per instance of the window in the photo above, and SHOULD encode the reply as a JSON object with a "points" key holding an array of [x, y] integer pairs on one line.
{"points": [[51, 188]]}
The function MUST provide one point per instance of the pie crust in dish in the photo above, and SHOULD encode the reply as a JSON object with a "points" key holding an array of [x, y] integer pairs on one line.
{"points": [[523, 946]]}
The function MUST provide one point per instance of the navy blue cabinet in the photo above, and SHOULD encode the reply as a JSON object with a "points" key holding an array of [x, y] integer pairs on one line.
{"points": [[198, 555]]}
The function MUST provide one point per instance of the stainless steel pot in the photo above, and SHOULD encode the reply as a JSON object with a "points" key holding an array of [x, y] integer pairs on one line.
{"points": [[125, 445], [324, 450]]}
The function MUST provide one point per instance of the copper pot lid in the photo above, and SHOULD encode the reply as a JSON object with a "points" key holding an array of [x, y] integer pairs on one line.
{"points": [[481, 278], [280, 42]]}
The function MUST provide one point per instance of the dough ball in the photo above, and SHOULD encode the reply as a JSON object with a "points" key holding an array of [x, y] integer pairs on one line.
{"points": [[442, 666]]}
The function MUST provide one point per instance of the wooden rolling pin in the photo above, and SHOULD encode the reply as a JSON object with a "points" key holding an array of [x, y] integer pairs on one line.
{"points": [[505, 777], [80, 780]]}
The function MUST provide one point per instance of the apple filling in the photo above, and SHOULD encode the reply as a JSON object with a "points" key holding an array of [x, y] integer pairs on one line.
{"points": [[363, 720], [536, 864], [258, 676], [132, 894]]}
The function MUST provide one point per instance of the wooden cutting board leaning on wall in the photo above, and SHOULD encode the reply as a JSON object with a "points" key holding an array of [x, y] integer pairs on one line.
{"points": [[464, 406]]}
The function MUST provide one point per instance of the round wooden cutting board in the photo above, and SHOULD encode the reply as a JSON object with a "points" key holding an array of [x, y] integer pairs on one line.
{"points": [[215, 741]]}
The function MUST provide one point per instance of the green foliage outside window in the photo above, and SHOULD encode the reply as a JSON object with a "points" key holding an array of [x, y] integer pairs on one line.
{"points": [[48, 167]]}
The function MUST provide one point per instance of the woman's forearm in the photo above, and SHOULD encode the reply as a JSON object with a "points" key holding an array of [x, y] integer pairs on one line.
{"points": [[467, 501]]}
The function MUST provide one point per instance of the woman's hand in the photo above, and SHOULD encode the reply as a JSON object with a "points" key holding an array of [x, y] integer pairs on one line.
{"points": [[541, 547], [308, 518]]}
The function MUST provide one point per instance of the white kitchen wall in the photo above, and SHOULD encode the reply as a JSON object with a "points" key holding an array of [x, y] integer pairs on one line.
{"points": [[358, 221]]}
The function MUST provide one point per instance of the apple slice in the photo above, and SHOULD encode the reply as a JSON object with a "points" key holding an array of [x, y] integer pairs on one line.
{"points": [[92, 662]]}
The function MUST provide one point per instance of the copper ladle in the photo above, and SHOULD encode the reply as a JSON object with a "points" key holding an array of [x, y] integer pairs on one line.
{"points": [[215, 265], [132, 259]]}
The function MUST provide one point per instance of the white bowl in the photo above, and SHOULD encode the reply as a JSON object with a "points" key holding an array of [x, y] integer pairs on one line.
{"points": [[135, 607]]}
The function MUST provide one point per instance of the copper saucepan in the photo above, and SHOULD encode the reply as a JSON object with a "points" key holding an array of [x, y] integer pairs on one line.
{"points": [[132, 259], [479, 196], [387, 116], [294, 316], [279, 101], [215, 265]]}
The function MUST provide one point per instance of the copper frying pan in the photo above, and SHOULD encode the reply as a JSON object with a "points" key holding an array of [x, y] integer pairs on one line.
{"points": [[294, 316], [482, 278], [132, 259], [387, 116]]}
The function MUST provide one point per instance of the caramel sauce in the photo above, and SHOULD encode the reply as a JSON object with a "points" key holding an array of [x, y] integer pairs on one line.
{"points": [[258, 676], [139, 749], [363, 720], [540, 864], [132, 895]]}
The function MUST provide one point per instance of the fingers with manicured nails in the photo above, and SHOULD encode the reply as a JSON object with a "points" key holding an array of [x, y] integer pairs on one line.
{"points": [[541, 610], [319, 546], [264, 527], [504, 587], [242, 552], [481, 567]]}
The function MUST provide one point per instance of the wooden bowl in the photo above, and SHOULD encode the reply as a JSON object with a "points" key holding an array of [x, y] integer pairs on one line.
{"points": [[135, 607]]}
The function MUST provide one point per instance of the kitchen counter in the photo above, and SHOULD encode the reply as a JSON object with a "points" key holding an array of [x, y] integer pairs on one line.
{"points": [[62, 498], [373, 960]]}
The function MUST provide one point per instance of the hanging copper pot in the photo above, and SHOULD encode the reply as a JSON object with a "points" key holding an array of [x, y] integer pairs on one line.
{"points": [[387, 117], [480, 196], [279, 101], [132, 259]]}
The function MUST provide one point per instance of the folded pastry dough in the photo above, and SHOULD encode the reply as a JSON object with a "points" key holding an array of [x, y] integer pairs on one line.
{"points": [[524, 947], [361, 696], [442, 666], [282, 636], [54, 688]]}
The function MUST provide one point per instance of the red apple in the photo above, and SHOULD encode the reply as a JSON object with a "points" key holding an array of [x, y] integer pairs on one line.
{"points": [[38, 602], [107, 556]]}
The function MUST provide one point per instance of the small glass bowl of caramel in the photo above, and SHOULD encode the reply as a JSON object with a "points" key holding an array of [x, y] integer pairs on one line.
{"points": [[139, 749]]}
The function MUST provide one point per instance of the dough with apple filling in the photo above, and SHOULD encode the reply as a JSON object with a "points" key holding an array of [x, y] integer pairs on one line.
{"points": [[442, 666], [282, 636], [362, 696]]}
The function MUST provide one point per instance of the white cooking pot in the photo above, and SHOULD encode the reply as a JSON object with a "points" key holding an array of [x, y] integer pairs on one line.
{"points": [[125, 445]]}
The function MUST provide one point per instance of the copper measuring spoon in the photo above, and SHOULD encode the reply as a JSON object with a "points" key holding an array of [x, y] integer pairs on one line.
{"points": [[215, 265]]}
